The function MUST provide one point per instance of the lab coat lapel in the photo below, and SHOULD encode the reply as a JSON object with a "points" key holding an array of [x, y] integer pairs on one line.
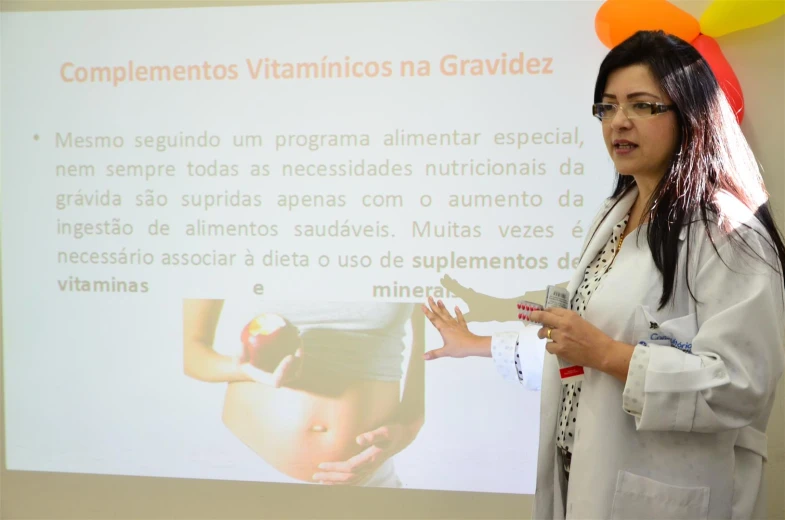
{"points": [[549, 480], [600, 238]]}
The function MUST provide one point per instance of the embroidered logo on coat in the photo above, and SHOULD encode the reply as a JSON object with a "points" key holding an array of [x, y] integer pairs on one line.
{"points": [[686, 347]]}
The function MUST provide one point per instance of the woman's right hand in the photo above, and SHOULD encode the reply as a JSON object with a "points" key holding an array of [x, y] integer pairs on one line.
{"points": [[288, 371], [459, 342]]}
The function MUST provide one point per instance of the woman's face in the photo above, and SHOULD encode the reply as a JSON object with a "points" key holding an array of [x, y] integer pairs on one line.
{"points": [[641, 147]]}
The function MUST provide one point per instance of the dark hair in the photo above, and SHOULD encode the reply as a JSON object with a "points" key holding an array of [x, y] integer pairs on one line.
{"points": [[712, 154]]}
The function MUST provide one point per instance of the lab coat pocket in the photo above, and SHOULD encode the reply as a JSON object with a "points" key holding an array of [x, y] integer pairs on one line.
{"points": [[677, 332], [643, 498]]}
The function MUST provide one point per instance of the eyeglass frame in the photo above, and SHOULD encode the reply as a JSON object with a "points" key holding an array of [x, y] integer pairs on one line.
{"points": [[656, 109]]}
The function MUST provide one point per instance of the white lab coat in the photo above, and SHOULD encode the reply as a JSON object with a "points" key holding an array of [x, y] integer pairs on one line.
{"points": [[698, 447]]}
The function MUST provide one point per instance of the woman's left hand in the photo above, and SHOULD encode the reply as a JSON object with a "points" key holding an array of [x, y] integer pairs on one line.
{"points": [[381, 444], [572, 338]]}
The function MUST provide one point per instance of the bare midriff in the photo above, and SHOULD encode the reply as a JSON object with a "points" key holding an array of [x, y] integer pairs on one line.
{"points": [[297, 428]]}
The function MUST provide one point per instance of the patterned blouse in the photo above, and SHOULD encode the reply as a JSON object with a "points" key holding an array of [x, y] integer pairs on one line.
{"points": [[504, 348]]}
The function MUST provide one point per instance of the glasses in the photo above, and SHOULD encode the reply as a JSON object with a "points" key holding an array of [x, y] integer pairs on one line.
{"points": [[633, 110]]}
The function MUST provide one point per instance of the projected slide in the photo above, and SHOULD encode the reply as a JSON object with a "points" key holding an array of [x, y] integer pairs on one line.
{"points": [[219, 226]]}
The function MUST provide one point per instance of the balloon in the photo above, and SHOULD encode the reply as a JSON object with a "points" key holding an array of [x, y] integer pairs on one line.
{"points": [[726, 16], [710, 50], [617, 20]]}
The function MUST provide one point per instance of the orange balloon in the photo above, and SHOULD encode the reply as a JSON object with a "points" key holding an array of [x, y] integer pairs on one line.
{"points": [[617, 20], [710, 50]]}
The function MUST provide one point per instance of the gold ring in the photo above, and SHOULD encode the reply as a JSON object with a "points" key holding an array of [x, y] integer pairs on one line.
{"points": [[549, 333]]}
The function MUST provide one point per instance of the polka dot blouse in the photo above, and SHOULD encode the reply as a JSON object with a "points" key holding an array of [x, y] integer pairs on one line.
{"points": [[504, 347], [592, 278]]}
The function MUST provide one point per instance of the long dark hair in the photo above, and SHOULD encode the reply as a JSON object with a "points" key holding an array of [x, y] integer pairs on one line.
{"points": [[711, 156]]}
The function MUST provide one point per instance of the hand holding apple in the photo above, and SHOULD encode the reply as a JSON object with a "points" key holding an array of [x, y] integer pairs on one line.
{"points": [[267, 340]]}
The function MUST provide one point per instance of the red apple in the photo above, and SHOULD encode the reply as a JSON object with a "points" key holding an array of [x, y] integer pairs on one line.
{"points": [[267, 339]]}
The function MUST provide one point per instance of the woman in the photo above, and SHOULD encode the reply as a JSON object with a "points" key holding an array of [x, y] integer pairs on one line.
{"points": [[332, 411], [677, 310]]}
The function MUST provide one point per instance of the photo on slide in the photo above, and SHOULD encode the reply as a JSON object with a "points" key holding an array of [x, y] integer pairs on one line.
{"points": [[317, 390]]}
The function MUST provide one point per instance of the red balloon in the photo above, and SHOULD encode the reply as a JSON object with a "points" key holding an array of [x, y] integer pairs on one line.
{"points": [[711, 52]]}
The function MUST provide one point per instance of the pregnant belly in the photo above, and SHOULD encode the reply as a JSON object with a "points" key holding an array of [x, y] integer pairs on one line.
{"points": [[295, 430]]}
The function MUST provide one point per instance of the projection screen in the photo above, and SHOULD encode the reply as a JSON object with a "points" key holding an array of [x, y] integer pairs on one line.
{"points": [[192, 193]]}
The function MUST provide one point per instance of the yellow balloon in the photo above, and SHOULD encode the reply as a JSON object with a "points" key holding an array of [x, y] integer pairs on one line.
{"points": [[727, 16]]}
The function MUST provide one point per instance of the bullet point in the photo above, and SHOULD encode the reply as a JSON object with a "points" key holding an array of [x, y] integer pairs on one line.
{"points": [[35, 137]]}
